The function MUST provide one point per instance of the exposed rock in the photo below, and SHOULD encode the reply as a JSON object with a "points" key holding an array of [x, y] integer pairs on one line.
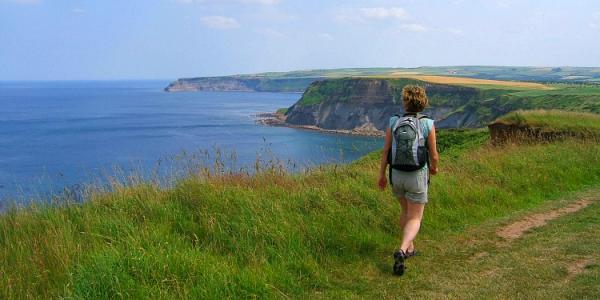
{"points": [[208, 84], [270, 119], [358, 103]]}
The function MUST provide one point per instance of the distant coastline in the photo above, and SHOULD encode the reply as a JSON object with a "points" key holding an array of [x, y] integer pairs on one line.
{"points": [[298, 81]]}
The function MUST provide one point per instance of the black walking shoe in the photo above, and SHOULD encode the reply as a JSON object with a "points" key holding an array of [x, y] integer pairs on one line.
{"points": [[411, 253], [399, 257]]}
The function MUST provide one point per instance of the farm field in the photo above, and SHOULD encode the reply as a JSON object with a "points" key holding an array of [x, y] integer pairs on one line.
{"points": [[454, 80]]}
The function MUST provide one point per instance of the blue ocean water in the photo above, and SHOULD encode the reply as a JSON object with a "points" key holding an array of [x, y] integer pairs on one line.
{"points": [[63, 134]]}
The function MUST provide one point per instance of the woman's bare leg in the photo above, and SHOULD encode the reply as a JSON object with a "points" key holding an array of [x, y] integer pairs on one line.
{"points": [[414, 216], [403, 218], [404, 206]]}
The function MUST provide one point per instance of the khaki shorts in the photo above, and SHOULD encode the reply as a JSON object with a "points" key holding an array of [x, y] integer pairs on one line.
{"points": [[412, 185]]}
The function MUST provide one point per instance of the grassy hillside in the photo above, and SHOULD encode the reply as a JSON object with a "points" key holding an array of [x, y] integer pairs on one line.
{"points": [[554, 120], [326, 233]]}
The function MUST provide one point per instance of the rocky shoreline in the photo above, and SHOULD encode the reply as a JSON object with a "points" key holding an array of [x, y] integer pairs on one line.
{"points": [[279, 120]]}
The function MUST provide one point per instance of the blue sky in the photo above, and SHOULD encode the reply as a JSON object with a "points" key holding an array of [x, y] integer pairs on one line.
{"points": [[166, 39]]}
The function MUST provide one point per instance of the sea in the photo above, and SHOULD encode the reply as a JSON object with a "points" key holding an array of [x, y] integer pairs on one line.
{"points": [[61, 136]]}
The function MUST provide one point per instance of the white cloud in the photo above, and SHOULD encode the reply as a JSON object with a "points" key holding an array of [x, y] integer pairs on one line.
{"points": [[270, 33], [383, 13], [220, 22], [593, 25], [413, 27], [366, 14], [325, 36], [420, 28], [78, 11]]}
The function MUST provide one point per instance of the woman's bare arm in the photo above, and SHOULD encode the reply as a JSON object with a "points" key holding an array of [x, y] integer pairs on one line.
{"points": [[384, 156], [434, 156]]}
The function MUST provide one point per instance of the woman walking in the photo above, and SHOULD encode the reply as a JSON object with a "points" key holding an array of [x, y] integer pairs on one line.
{"points": [[410, 150]]}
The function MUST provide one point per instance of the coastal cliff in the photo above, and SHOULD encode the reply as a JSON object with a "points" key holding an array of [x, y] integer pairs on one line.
{"points": [[366, 104], [240, 84]]}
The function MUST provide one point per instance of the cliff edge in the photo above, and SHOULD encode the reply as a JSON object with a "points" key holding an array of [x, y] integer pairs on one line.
{"points": [[359, 103], [240, 84]]}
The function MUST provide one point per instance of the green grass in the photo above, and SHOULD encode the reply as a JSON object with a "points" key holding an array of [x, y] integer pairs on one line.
{"points": [[564, 89], [555, 120], [583, 98], [480, 265], [453, 142], [282, 111], [325, 233], [338, 90]]}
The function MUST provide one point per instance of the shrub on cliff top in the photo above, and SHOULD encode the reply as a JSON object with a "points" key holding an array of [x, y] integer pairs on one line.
{"points": [[555, 120]]}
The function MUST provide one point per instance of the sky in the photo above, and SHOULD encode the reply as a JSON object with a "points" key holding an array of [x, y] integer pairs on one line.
{"points": [[169, 39]]}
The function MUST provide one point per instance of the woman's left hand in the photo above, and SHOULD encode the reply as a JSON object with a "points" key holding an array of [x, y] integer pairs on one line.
{"points": [[433, 171], [382, 182]]}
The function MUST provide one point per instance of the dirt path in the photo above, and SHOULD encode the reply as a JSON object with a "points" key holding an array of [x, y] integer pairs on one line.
{"points": [[578, 267], [517, 229]]}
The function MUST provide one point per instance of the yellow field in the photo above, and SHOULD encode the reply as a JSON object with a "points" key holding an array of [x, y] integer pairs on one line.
{"points": [[469, 81]]}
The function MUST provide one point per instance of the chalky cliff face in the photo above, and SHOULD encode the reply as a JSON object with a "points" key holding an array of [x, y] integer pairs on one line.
{"points": [[345, 105], [362, 103], [208, 84]]}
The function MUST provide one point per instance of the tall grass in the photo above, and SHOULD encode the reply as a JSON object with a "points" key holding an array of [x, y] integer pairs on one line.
{"points": [[555, 120], [269, 234]]}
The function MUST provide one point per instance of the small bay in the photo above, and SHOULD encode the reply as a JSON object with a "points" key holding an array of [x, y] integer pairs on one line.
{"points": [[57, 135]]}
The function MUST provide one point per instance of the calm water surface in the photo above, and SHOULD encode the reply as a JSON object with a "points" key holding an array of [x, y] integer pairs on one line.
{"points": [[63, 134]]}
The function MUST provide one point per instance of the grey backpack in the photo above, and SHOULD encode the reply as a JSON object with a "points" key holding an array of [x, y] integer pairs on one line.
{"points": [[409, 146]]}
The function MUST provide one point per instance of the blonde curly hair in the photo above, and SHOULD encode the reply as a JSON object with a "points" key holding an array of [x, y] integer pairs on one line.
{"points": [[414, 98]]}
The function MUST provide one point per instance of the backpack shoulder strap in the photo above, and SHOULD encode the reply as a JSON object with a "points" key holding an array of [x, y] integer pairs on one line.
{"points": [[392, 124]]}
